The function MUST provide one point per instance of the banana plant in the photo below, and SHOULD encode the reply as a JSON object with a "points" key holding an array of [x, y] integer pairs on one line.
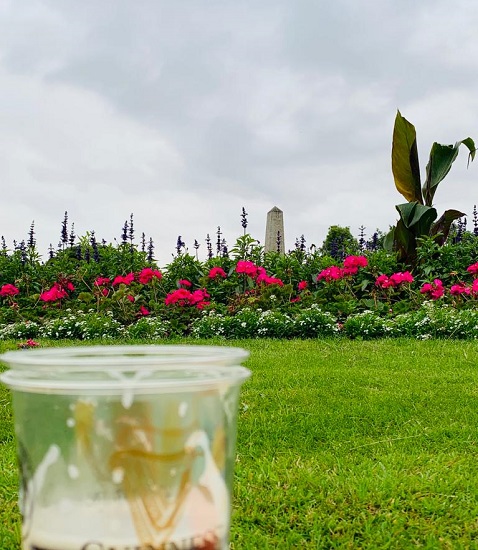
{"points": [[418, 217]]}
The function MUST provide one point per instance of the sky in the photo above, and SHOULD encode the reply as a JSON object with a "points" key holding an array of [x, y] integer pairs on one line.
{"points": [[183, 112]]}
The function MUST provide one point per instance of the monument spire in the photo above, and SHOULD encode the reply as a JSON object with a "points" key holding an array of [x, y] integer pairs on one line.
{"points": [[274, 241]]}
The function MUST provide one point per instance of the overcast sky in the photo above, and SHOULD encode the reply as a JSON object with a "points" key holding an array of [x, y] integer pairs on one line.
{"points": [[182, 112]]}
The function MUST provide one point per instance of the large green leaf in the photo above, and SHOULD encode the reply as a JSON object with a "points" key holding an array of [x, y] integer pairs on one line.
{"points": [[439, 164], [389, 239], [441, 227], [405, 166], [416, 217], [405, 243]]}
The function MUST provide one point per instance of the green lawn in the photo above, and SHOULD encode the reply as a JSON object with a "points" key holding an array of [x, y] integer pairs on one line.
{"points": [[342, 444]]}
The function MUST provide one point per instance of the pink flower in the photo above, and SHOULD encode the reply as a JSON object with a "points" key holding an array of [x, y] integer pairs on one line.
{"points": [[261, 275], [394, 280], [355, 261], [104, 292], [130, 298], [216, 272], [293, 300], [249, 268], [349, 271], [435, 290], [273, 281], [183, 297], [399, 278], [474, 286], [473, 268], [437, 293], [185, 282], [457, 290], [56, 292], [123, 279], [70, 286], [30, 343], [101, 281], [147, 274], [383, 281], [332, 273], [302, 286], [9, 290], [180, 296], [199, 298], [143, 311]]}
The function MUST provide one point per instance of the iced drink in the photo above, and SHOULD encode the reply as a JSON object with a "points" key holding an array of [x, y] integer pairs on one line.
{"points": [[126, 447]]}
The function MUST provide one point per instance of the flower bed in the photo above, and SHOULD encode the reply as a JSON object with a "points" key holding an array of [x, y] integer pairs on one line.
{"points": [[245, 294]]}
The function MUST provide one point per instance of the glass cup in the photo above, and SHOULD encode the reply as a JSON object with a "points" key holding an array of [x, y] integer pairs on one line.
{"points": [[125, 447]]}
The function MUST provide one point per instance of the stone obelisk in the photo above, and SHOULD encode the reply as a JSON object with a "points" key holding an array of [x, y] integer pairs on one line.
{"points": [[275, 231]]}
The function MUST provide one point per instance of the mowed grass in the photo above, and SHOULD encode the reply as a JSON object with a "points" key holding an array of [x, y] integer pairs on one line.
{"points": [[341, 444]]}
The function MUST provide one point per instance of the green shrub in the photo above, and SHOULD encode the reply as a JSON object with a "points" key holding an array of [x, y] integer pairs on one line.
{"points": [[366, 325], [82, 326], [19, 330], [148, 327], [313, 322], [274, 324]]}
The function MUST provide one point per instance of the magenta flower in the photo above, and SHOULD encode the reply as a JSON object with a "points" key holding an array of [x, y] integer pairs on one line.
{"points": [[399, 278], [383, 281], [123, 279], [56, 292], [30, 343], [458, 289], [199, 298], [473, 268], [185, 282], [147, 274], [355, 261], [9, 290], [434, 290], [273, 281], [102, 281], [182, 297], [332, 273], [247, 267], [302, 286], [215, 272]]}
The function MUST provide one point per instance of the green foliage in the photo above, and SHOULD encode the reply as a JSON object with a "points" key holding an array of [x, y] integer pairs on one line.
{"points": [[149, 328], [20, 330], [247, 248], [339, 242], [448, 262], [365, 325], [417, 216], [82, 326], [239, 304], [183, 266], [313, 322], [252, 323]]}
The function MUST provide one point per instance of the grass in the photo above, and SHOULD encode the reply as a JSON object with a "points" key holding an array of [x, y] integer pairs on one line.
{"points": [[342, 444]]}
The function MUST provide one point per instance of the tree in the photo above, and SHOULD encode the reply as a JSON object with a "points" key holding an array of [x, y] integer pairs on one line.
{"points": [[339, 242]]}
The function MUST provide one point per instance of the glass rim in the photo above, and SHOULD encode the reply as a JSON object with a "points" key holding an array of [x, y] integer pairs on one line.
{"points": [[142, 355], [113, 368]]}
